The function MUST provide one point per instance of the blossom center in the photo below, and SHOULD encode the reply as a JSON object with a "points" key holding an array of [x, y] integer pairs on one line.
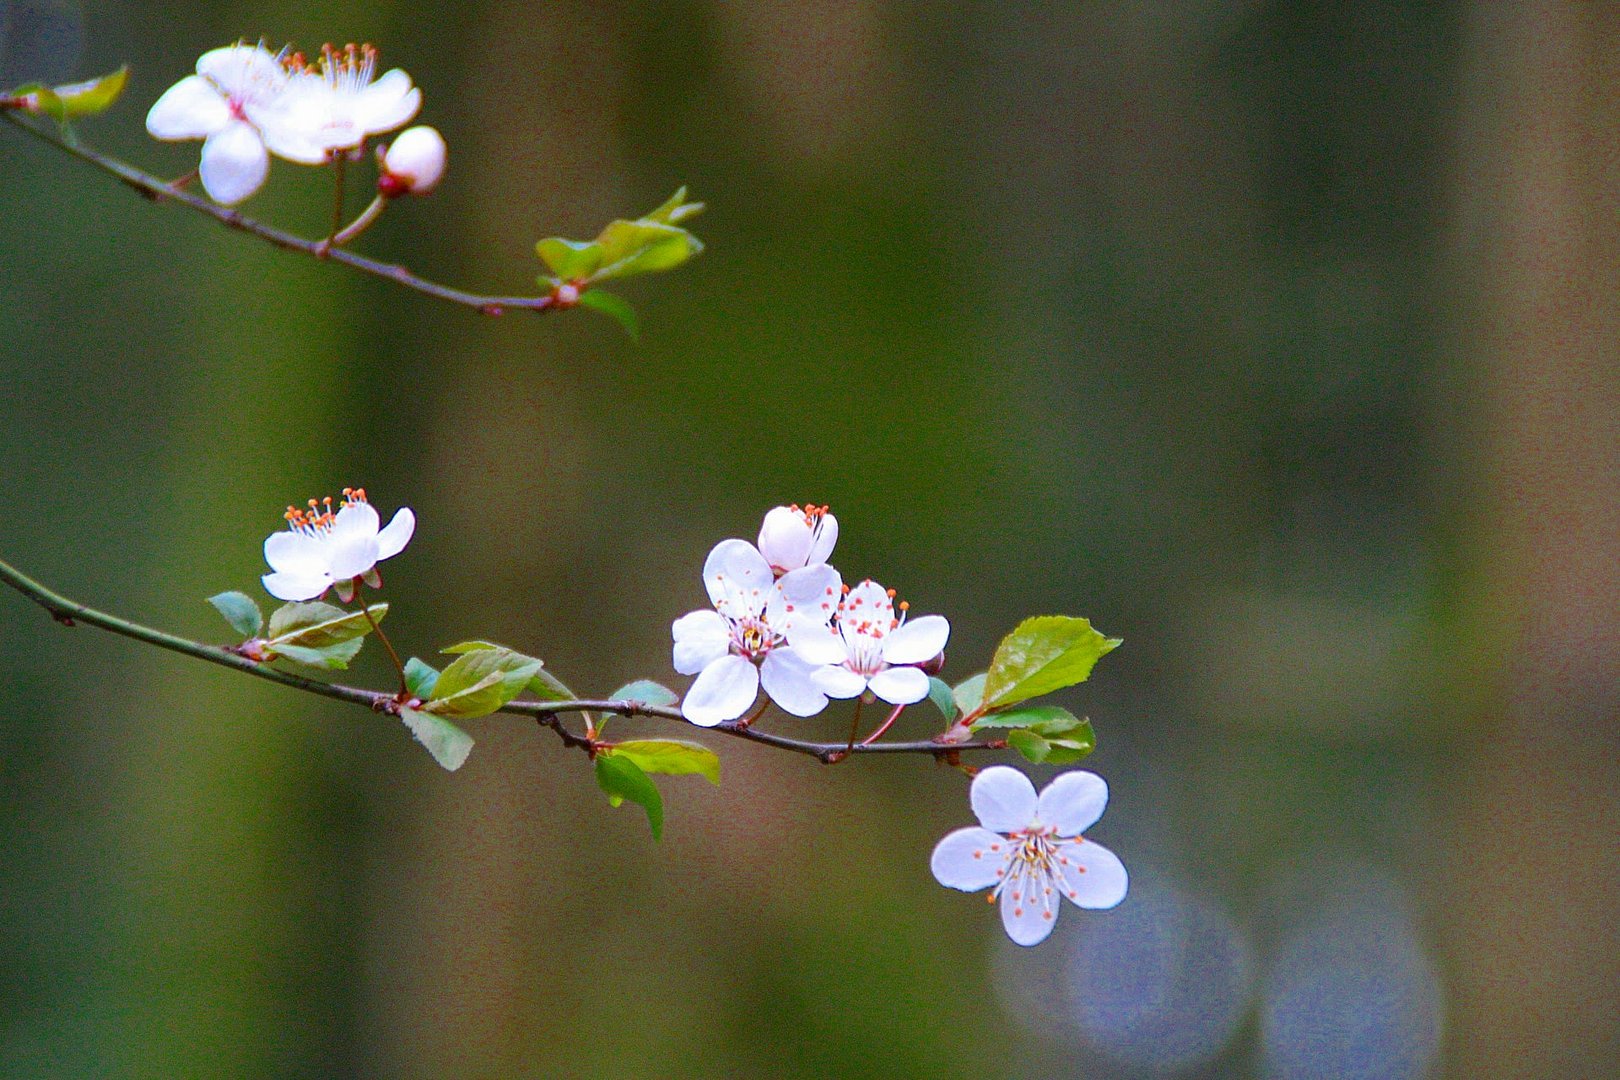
{"points": [[865, 626], [752, 637], [1034, 874], [317, 519], [346, 70]]}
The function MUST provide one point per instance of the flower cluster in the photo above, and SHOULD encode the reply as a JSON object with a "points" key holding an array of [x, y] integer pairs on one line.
{"points": [[247, 103], [783, 620]]}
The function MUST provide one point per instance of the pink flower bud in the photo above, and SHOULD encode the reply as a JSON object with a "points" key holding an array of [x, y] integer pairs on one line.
{"points": [[414, 163]]}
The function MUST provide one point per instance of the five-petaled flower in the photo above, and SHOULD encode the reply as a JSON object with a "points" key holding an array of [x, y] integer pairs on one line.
{"points": [[879, 648], [240, 105], [1029, 850], [751, 638], [795, 536], [321, 549]]}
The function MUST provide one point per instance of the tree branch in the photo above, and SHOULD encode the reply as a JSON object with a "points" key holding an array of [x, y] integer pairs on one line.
{"points": [[159, 190], [71, 613]]}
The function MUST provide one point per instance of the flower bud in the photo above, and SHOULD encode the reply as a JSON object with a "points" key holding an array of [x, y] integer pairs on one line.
{"points": [[414, 163]]}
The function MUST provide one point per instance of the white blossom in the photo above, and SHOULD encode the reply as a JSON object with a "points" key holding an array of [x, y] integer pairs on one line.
{"points": [[879, 650], [1029, 851], [239, 104], [751, 638], [795, 536], [321, 549]]}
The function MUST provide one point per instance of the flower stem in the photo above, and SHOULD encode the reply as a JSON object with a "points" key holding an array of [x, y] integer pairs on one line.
{"points": [[399, 666], [878, 734], [360, 224], [854, 726], [340, 165]]}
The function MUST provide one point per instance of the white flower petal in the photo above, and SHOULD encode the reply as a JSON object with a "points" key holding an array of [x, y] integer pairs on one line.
{"points": [[355, 519], [392, 540], [190, 109], [234, 163], [838, 682], [722, 692], [806, 601], [900, 685], [787, 678], [701, 638], [917, 641], [785, 539], [816, 642], [1073, 802], [826, 538], [295, 553], [351, 556], [1029, 907], [1003, 799], [738, 578], [387, 103], [970, 859], [1090, 875], [240, 69], [296, 586], [294, 121]]}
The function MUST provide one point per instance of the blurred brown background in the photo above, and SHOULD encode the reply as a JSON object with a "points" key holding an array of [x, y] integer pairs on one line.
{"points": [[1277, 338]]}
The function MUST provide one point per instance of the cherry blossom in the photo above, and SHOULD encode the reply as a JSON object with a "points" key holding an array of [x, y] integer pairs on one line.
{"points": [[1029, 851], [795, 536], [321, 549], [239, 104], [879, 649], [752, 637]]}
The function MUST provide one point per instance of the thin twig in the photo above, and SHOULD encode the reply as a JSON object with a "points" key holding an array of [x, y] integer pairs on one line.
{"points": [[159, 190], [71, 612]]}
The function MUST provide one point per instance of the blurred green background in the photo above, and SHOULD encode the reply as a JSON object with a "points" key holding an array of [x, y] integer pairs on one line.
{"points": [[1277, 338]]}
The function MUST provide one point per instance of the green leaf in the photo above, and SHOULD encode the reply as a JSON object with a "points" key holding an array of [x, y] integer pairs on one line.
{"points": [[1071, 748], [642, 247], [623, 779], [968, 694], [91, 96], [333, 657], [672, 757], [544, 685], [939, 692], [1045, 653], [478, 683], [676, 209], [240, 611], [475, 645], [570, 260], [1054, 750], [420, 677], [1042, 719], [316, 625], [645, 691], [1031, 745], [614, 307], [448, 744]]}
